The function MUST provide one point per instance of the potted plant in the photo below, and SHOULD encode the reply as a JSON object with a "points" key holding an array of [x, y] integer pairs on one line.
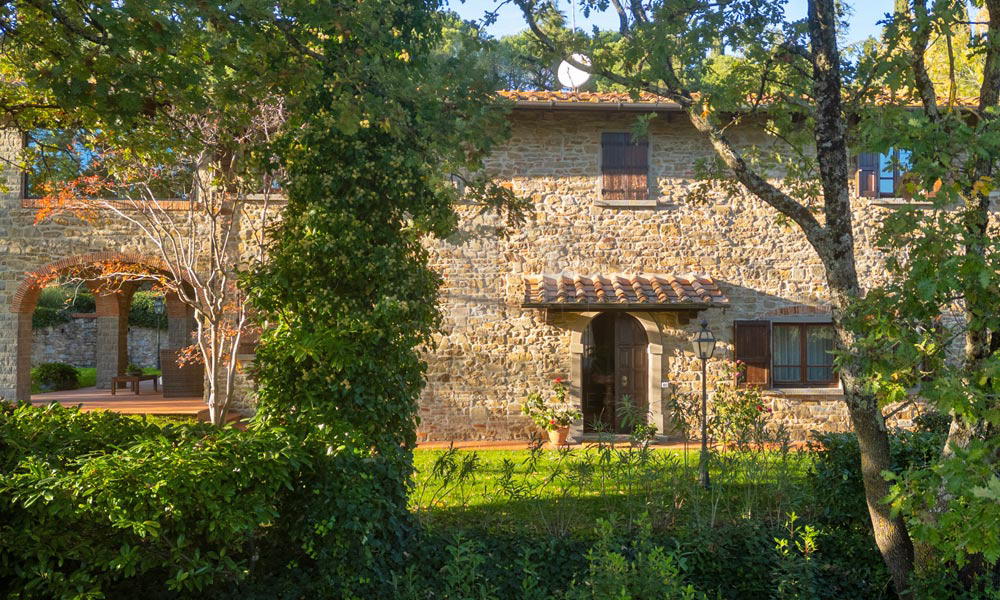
{"points": [[133, 370], [555, 421]]}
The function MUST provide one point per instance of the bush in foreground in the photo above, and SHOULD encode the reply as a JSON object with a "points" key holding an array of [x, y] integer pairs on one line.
{"points": [[104, 505]]}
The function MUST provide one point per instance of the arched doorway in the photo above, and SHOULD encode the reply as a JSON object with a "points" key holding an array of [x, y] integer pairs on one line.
{"points": [[614, 373]]}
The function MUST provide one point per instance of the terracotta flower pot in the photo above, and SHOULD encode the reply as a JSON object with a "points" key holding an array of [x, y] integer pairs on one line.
{"points": [[557, 437]]}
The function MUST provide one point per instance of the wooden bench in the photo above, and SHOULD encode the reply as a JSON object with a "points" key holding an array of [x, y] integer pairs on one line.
{"points": [[134, 380]]}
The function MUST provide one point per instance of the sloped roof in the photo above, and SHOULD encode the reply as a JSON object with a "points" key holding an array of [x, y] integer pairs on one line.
{"points": [[588, 100], [608, 291]]}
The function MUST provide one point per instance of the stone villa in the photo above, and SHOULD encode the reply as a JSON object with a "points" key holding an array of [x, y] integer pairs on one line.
{"points": [[604, 286]]}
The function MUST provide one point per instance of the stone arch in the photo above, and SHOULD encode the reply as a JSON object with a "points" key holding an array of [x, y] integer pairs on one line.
{"points": [[112, 317], [577, 323]]}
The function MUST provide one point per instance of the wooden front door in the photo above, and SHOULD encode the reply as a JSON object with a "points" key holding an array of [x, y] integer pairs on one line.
{"points": [[630, 372], [614, 373]]}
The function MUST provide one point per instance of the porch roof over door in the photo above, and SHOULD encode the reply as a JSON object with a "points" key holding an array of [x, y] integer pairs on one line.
{"points": [[644, 291]]}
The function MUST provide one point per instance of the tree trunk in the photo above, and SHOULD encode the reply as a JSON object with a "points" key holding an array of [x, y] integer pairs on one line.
{"points": [[836, 249], [891, 535]]}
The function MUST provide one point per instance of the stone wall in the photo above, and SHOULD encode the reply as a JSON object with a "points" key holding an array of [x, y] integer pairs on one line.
{"points": [[492, 353], [27, 247], [75, 343]]}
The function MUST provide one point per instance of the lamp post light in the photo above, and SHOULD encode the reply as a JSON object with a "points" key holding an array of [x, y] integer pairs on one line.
{"points": [[158, 308], [704, 347]]}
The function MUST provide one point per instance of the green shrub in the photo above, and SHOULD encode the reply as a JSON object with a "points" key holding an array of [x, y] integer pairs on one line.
{"points": [[99, 504], [56, 304], [106, 505], [641, 570], [56, 376], [933, 421], [141, 313], [835, 476]]}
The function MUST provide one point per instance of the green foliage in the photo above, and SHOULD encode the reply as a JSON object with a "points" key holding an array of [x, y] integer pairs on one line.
{"points": [[347, 295], [836, 472], [461, 576], [548, 417], [737, 560], [102, 504], [84, 498], [642, 571], [141, 312], [56, 376], [797, 550], [56, 304], [951, 503], [932, 421], [740, 418]]}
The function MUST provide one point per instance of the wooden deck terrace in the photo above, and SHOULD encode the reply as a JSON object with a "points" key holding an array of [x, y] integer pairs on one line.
{"points": [[146, 402]]}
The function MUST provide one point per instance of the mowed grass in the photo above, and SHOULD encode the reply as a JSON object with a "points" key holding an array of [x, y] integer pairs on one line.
{"points": [[560, 492]]}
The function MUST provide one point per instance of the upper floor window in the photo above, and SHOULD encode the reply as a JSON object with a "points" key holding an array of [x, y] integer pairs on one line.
{"points": [[55, 156], [79, 160], [786, 354], [624, 167], [881, 175]]}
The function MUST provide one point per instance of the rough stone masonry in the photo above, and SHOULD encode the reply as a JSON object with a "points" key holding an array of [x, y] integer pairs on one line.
{"points": [[492, 351]]}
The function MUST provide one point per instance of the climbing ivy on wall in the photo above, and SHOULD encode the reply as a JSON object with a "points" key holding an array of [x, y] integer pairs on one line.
{"points": [[346, 297]]}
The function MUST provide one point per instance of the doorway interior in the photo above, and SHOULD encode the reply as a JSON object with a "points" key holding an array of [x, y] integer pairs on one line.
{"points": [[615, 372]]}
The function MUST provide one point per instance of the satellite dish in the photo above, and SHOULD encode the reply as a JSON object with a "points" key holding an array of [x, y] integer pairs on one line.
{"points": [[570, 76]]}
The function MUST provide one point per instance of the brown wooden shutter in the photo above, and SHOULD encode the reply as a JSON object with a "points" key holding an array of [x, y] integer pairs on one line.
{"points": [[752, 343], [868, 174], [624, 167]]}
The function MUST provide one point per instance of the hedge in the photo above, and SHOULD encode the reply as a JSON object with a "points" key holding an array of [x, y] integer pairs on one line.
{"points": [[105, 505], [56, 305]]}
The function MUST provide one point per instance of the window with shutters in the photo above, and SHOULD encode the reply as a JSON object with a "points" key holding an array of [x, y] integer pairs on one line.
{"points": [[624, 167], [882, 175], [802, 355], [786, 354]]}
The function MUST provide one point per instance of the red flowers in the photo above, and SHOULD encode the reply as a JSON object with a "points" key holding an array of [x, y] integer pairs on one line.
{"points": [[559, 380]]}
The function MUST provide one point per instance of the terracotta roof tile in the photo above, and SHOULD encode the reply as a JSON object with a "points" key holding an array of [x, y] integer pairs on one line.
{"points": [[563, 98], [652, 290], [584, 97]]}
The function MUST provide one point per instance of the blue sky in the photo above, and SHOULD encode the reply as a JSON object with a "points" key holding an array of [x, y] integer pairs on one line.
{"points": [[864, 19]]}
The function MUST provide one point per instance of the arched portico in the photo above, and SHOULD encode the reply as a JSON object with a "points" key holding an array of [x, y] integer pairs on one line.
{"points": [[112, 304]]}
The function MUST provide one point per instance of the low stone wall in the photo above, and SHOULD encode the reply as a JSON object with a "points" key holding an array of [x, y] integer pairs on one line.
{"points": [[75, 343]]}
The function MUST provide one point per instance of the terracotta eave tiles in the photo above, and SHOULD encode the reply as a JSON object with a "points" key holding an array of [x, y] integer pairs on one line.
{"points": [[646, 98], [582, 97], [652, 290]]}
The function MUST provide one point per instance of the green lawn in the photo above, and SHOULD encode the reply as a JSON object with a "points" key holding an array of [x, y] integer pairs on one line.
{"points": [[563, 492]]}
